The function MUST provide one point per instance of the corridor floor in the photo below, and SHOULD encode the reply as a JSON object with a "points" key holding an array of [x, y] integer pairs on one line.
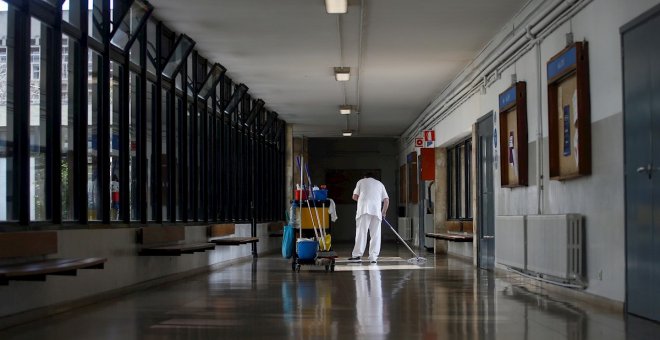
{"points": [[445, 299]]}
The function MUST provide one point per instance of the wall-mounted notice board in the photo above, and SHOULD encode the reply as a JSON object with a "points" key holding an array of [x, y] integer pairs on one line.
{"points": [[513, 136], [569, 116], [403, 187], [413, 188]]}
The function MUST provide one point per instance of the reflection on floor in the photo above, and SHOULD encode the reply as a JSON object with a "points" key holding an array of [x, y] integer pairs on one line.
{"points": [[445, 299]]}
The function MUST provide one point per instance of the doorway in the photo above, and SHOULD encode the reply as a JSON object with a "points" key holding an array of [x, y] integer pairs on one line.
{"points": [[485, 197], [641, 115]]}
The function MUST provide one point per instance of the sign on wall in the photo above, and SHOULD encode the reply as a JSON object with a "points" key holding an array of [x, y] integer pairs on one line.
{"points": [[429, 138], [419, 142]]}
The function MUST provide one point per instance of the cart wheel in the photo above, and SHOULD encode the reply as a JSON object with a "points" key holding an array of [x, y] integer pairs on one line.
{"points": [[297, 268]]}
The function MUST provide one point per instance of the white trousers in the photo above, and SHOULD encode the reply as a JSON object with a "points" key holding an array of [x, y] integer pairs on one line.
{"points": [[362, 224]]}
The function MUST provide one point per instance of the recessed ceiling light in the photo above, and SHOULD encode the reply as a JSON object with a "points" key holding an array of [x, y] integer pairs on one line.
{"points": [[345, 109], [336, 6], [347, 133], [342, 73]]}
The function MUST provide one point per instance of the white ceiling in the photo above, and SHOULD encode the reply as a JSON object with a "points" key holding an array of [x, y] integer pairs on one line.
{"points": [[285, 51]]}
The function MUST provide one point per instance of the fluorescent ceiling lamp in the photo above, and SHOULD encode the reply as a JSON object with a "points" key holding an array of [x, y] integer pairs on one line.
{"points": [[347, 133], [342, 73], [345, 109], [336, 6]]}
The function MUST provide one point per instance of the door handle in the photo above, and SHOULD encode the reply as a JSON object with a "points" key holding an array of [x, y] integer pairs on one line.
{"points": [[648, 169], [488, 237]]}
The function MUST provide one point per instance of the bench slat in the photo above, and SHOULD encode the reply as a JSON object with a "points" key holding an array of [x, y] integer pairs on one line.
{"points": [[177, 249], [234, 241], [451, 237], [36, 271]]}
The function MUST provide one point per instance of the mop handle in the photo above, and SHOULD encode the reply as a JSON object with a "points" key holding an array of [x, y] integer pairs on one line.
{"points": [[301, 194], [318, 219], [397, 235]]}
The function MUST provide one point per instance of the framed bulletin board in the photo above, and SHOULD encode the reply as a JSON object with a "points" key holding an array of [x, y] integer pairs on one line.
{"points": [[403, 188], [569, 116], [413, 187], [513, 136]]}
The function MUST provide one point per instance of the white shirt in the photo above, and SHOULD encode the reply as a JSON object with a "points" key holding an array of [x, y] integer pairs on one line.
{"points": [[371, 194]]}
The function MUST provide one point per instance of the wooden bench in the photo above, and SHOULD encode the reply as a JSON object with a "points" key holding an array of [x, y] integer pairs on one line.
{"points": [[451, 237], [168, 241], [219, 234], [457, 231], [23, 256]]}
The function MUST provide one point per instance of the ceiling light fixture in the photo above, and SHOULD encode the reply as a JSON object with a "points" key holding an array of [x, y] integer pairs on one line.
{"points": [[336, 6], [345, 109], [342, 73], [347, 133]]}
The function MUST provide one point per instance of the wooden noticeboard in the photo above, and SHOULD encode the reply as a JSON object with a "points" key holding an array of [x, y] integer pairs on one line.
{"points": [[569, 116], [403, 187], [513, 136], [413, 187]]}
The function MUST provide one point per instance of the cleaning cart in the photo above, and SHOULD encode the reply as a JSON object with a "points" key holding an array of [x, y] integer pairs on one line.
{"points": [[312, 244]]}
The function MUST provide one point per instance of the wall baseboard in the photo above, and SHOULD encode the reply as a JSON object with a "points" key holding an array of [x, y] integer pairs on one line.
{"points": [[44, 312]]}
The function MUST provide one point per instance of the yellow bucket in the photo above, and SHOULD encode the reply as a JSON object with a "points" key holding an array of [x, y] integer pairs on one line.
{"points": [[324, 244]]}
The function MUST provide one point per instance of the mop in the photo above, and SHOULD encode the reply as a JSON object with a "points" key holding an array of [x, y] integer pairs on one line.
{"points": [[309, 208], [416, 259], [318, 218]]}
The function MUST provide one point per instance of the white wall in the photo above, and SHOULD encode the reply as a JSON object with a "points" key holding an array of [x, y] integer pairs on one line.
{"points": [[599, 196], [124, 267]]}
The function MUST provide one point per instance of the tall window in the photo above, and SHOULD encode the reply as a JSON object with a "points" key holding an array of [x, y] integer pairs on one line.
{"points": [[94, 107], [6, 132], [459, 185], [67, 128], [38, 121], [115, 155], [133, 147], [149, 148], [164, 173]]}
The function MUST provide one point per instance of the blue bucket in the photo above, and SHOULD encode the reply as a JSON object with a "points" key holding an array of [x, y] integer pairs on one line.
{"points": [[321, 194], [306, 249]]}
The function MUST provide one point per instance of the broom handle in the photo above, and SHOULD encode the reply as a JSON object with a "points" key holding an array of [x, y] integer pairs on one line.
{"points": [[397, 235], [318, 219]]}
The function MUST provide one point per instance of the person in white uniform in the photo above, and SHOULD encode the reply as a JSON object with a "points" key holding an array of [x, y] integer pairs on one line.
{"points": [[372, 203]]}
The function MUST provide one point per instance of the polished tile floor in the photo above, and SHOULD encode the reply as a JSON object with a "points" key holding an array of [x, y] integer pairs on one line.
{"points": [[445, 299]]}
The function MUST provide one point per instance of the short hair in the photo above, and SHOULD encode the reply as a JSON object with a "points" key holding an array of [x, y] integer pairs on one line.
{"points": [[369, 174]]}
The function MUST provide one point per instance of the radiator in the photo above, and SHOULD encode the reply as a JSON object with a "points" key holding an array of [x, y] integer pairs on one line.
{"points": [[555, 245], [510, 241], [404, 228]]}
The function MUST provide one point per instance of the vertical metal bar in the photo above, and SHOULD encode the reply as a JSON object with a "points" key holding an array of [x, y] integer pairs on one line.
{"points": [[19, 30], [183, 199]]}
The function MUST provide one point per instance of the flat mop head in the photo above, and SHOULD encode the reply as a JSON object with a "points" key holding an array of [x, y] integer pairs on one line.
{"points": [[417, 260]]}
